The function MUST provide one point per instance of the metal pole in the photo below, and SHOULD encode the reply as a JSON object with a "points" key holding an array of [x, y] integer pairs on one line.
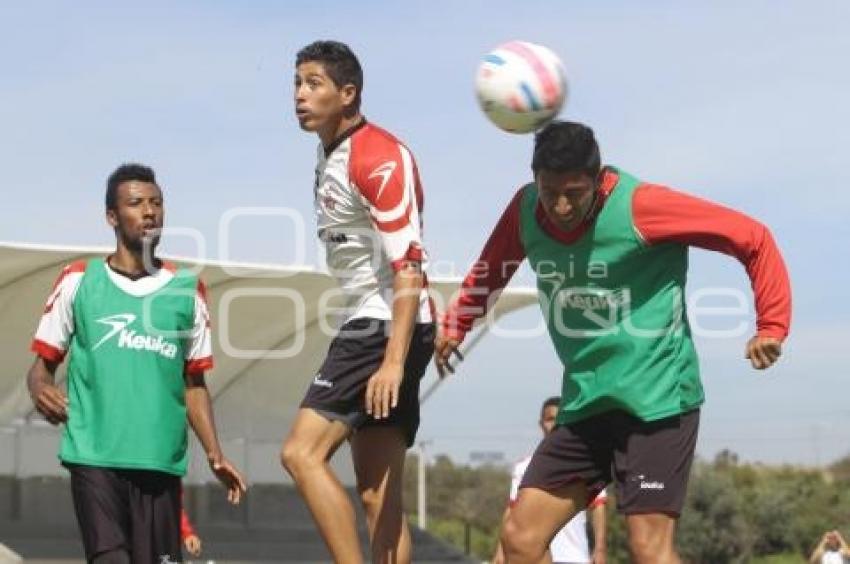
{"points": [[422, 500]]}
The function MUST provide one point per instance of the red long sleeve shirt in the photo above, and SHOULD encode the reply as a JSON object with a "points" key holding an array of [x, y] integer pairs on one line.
{"points": [[660, 215]]}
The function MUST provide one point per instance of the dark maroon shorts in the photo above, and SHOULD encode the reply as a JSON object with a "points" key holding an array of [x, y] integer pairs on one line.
{"points": [[338, 390], [133, 510], [648, 461]]}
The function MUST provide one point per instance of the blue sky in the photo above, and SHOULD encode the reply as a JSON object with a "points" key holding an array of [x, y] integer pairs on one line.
{"points": [[740, 102]]}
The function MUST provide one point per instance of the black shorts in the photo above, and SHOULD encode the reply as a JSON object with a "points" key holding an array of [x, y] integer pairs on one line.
{"points": [[649, 461], [134, 510], [338, 391]]}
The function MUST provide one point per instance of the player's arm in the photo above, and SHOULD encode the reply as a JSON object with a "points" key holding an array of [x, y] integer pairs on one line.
{"points": [[186, 528], [200, 415], [499, 260], [191, 541], [598, 523], [383, 387], [50, 343], [47, 398], [843, 547], [385, 174], [663, 215], [199, 409]]}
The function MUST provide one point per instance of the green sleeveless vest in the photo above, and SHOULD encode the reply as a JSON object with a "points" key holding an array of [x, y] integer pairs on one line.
{"points": [[615, 310], [125, 375]]}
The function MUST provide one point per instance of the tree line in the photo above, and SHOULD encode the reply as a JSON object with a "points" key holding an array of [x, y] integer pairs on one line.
{"points": [[735, 512]]}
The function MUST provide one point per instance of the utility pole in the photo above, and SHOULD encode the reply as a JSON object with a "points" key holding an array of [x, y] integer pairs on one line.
{"points": [[422, 498]]}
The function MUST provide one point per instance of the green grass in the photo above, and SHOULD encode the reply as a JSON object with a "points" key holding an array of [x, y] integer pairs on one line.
{"points": [[482, 544]]}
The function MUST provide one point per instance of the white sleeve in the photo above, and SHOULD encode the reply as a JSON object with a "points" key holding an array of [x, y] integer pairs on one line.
{"points": [[199, 344], [56, 326], [516, 478]]}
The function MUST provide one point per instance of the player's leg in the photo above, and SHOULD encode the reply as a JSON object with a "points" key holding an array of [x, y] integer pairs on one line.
{"points": [[378, 454], [306, 453], [536, 517], [117, 556], [332, 408], [652, 538], [379, 448], [155, 515], [652, 464], [102, 509], [569, 467]]}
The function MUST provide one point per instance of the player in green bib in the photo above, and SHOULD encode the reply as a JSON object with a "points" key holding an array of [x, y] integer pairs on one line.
{"points": [[136, 330], [610, 254]]}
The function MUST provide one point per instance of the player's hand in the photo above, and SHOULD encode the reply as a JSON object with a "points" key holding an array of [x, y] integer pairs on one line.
{"points": [[763, 351], [230, 478], [193, 545], [598, 557], [382, 390], [50, 402], [444, 348]]}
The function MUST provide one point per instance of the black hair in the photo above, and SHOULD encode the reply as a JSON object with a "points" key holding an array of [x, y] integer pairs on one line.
{"points": [[339, 62], [566, 146], [125, 173], [553, 401]]}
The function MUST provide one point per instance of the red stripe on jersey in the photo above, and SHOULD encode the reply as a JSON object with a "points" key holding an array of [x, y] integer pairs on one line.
{"points": [[46, 351], [202, 291], [198, 366], [395, 225], [413, 254], [597, 501], [78, 266]]}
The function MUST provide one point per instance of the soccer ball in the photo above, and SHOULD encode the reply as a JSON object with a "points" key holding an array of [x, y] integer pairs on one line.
{"points": [[521, 86]]}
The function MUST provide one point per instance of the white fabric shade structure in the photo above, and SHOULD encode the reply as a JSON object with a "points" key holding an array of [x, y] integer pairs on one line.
{"points": [[270, 334]]}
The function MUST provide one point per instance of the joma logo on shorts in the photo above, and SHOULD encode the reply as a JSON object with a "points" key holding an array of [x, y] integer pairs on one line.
{"points": [[651, 485], [318, 381]]}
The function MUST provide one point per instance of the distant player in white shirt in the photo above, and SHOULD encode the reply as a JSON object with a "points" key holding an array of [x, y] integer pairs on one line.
{"points": [[832, 549], [570, 544], [369, 203]]}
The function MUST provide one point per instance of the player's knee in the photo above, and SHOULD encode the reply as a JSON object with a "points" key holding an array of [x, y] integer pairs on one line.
{"points": [[371, 500], [296, 457], [646, 547], [520, 541], [375, 504]]}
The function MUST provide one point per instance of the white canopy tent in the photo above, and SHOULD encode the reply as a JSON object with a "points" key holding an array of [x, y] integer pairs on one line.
{"points": [[270, 335]]}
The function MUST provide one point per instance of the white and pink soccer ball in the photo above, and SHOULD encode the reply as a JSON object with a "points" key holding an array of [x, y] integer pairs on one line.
{"points": [[521, 86]]}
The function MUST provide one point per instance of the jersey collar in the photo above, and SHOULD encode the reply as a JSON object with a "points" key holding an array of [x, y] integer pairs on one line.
{"points": [[343, 136]]}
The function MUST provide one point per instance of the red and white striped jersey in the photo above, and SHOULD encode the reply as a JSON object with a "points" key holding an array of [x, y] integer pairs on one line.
{"points": [[369, 204]]}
